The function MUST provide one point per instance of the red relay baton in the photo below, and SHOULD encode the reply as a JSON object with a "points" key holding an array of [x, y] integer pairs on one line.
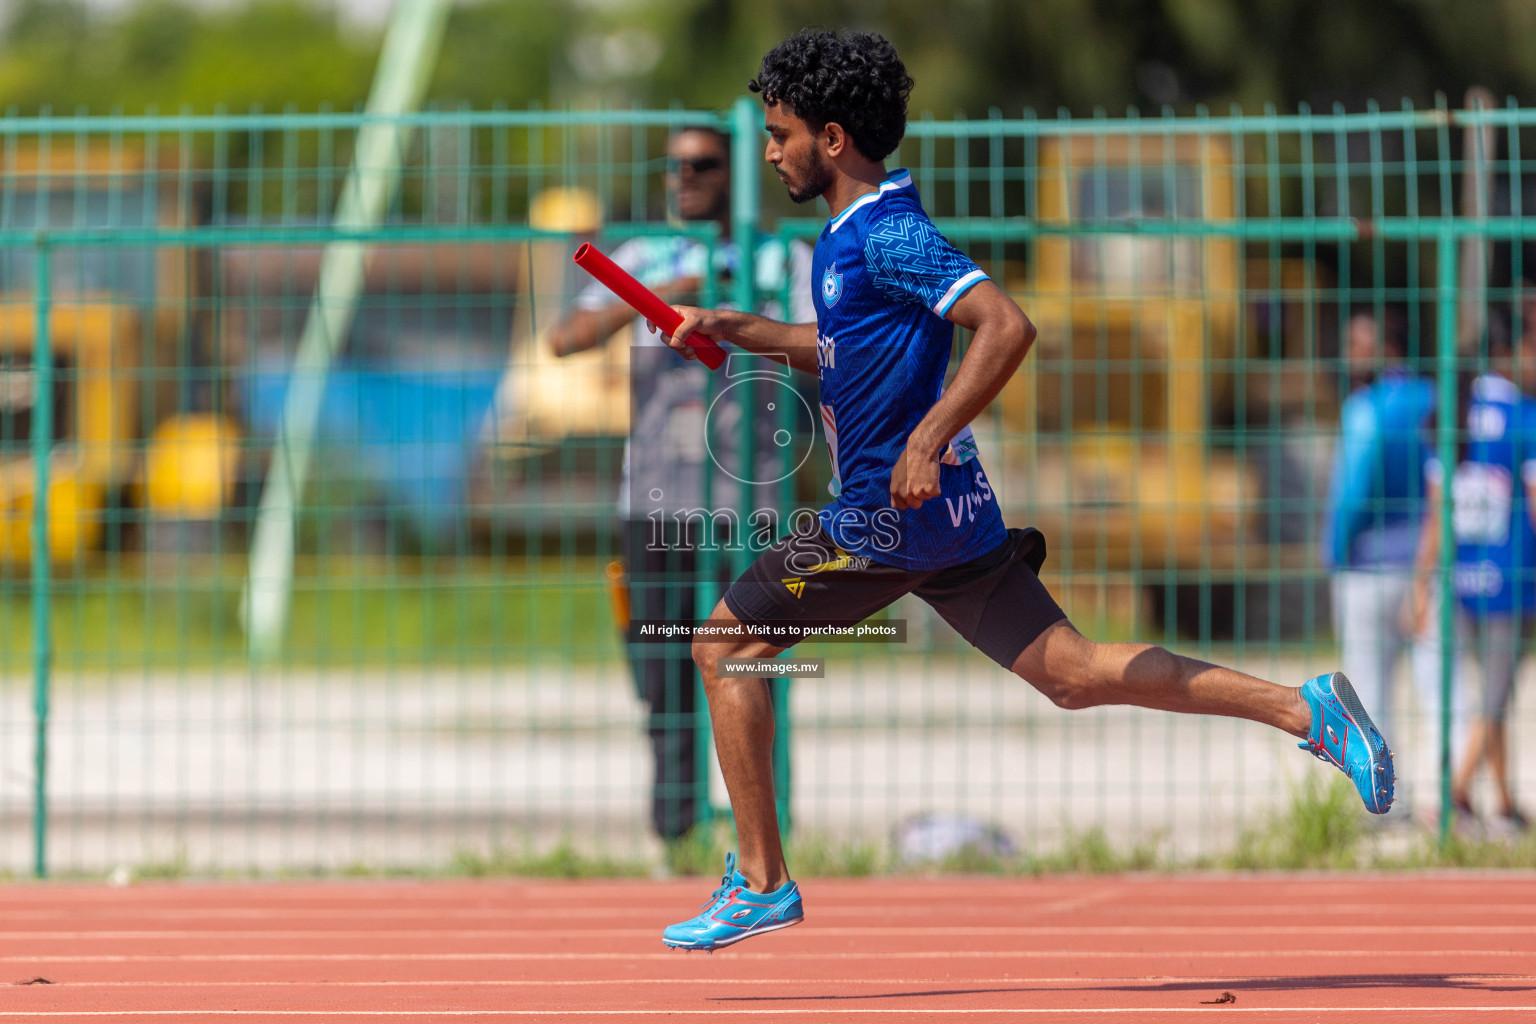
{"points": [[645, 302]]}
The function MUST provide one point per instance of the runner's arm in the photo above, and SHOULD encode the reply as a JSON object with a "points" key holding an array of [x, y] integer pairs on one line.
{"points": [[1002, 337], [794, 345]]}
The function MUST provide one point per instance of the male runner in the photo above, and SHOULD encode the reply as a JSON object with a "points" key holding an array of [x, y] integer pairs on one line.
{"points": [[913, 511]]}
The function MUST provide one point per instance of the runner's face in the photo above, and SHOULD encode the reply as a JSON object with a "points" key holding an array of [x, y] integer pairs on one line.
{"points": [[699, 174], [795, 153]]}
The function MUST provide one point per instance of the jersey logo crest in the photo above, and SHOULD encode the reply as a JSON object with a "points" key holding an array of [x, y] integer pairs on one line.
{"points": [[794, 584], [831, 286]]}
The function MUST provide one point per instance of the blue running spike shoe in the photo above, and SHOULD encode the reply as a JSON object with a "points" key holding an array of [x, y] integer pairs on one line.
{"points": [[1344, 736], [735, 912]]}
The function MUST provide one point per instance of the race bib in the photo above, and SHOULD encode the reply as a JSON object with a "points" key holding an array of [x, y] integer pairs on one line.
{"points": [[1482, 496]]}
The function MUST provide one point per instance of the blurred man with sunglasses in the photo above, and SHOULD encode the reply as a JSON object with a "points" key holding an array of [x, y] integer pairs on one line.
{"points": [[665, 459]]}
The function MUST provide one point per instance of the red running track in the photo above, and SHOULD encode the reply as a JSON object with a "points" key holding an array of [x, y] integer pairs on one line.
{"points": [[1274, 948]]}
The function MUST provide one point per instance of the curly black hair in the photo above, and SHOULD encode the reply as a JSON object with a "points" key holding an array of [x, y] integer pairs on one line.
{"points": [[849, 78]]}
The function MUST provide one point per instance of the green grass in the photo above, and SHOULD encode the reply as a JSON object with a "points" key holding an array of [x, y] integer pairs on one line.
{"points": [[563, 861], [1092, 853], [350, 611], [1318, 830], [171, 869], [702, 852], [1082, 853], [344, 613], [1321, 827], [819, 857]]}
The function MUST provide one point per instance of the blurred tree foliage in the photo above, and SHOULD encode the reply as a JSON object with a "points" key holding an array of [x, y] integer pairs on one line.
{"points": [[971, 55], [967, 55], [169, 54]]}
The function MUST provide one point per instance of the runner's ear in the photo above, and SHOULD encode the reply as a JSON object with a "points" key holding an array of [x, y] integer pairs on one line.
{"points": [[834, 139]]}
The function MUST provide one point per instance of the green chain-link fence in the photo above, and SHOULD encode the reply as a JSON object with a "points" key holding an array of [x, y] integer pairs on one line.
{"points": [[451, 676]]}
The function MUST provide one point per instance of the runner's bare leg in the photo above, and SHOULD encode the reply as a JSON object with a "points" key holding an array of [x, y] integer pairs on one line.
{"points": [[741, 712], [1075, 672]]}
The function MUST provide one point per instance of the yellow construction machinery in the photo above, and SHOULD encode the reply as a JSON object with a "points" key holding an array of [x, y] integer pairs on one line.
{"points": [[122, 319], [1143, 354]]}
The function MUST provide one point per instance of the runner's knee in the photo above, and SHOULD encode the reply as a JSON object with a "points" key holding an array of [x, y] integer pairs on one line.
{"points": [[1063, 673], [707, 654], [1072, 691], [1065, 666], [1107, 673]]}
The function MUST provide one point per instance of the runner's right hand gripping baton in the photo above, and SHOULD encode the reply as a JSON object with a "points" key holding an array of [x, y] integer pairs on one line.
{"points": [[645, 302]]}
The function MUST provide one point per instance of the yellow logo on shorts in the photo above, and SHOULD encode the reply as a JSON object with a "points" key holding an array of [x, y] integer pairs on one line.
{"points": [[795, 584]]}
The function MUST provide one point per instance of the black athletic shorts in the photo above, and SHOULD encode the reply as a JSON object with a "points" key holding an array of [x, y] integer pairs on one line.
{"points": [[996, 601]]}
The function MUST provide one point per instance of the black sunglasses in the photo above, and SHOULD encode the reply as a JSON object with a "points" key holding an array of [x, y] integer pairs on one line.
{"points": [[698, 165]]}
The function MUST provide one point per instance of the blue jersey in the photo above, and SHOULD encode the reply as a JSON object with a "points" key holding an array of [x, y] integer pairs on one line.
{"points": [[1495, 545], [1376, 492], [885, 278]]}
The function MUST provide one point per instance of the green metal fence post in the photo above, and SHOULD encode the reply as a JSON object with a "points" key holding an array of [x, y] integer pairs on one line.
{"points": [[746, 219], [42, 632], [1445, 444], [708, 592]]}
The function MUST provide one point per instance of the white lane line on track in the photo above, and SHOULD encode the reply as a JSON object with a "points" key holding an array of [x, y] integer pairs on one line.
{"points": [[1386, 979], [555, 897], [836, 1011], [1284, 889], [1471, 911], [980, 931], [989, 954]]}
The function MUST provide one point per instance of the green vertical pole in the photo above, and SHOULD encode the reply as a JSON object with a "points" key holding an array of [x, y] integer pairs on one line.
{"points": [[1445, 443], [707, 594], [746, 214], [42, 632]]}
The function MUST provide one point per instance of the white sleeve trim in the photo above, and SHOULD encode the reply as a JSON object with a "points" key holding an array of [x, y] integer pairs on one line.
{"points": [[905, 181], [958, 289]]}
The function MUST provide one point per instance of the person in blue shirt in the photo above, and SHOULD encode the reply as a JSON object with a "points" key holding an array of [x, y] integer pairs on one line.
{"points": [[913, 510], [1375, 513], [1493, 501]]}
